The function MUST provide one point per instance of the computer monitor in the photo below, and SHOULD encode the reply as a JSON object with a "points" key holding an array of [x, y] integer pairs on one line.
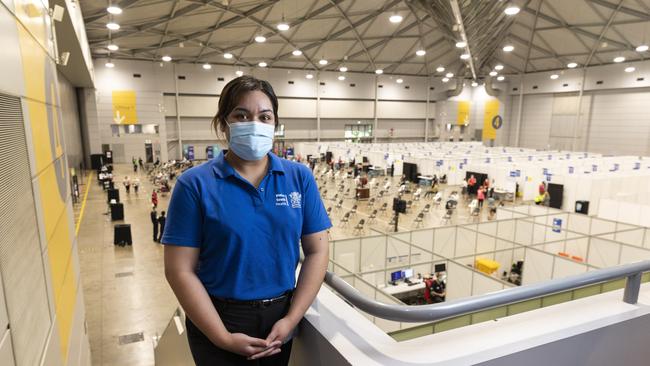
{"points": [[441, 267], [396, 276], [408, 273]]}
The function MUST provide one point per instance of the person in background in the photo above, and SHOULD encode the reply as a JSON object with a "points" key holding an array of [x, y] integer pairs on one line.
{"points": [[154, 221], [438, 289], [154, 198], [135, 166], [471, 184], [428, 282], [136, 184], [157, 163], [161, 224], [140, 162], [127, 184], [463, 190], [542, 188], [480, 196]]}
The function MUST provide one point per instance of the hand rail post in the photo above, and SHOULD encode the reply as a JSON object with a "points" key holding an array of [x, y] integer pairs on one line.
{"points": [[632, 288]]}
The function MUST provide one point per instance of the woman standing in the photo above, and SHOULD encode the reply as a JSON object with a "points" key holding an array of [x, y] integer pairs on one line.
{"points": [[232, 238]]}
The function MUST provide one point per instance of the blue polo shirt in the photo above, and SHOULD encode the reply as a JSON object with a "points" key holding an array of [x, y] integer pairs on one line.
{"points": [[248, 238]]}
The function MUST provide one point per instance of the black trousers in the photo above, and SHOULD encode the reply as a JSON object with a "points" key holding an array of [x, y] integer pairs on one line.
{"points": [[252, 320], [155, 231]]}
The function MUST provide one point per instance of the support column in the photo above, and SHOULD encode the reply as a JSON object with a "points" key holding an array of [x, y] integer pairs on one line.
{"points": [[318, 106], [178, 116], [520, 109], [574, 142], [374, 129], [426, 117]]}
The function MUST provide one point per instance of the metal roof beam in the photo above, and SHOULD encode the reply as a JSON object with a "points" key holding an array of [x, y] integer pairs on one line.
{"points": [[622, 9]]}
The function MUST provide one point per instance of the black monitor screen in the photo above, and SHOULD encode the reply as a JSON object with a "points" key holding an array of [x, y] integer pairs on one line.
{"points": [[442, 267]]}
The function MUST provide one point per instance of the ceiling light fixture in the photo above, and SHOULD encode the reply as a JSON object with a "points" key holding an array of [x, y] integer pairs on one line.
{"points": [[262, 64], [323, 61], [399, 81], [493, 73], [239, 73], [114, 10], [501, 78], [341, 77], [309, 76], [444, 80], [642, 48], [227, 55], [112, 26], [395, 18], [498, 67], [512, 10], [461, 44], [343, 69], [379, 71], [110, 65], [260, 39], [440, 69], [630, 69], [508, 48], [207, 66], [449, 75], [464, 56], [420, 52], [113, 47], [619, 59], [166, 58], [296, 52], [554, 76], [283, 27], [474, 84], [572, 65]]}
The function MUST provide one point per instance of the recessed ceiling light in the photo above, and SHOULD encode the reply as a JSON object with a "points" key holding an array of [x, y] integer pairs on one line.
{"points": [[449, 75], [110, 65], [444, 80], [296, 52], [498, 67], [501, 78], [512, 10], [642, 48], [323, 62], [112, 26], [166, 58], [283, 27], [114, 10], [227, 55], [619, 59], [309, 76], [262, 64], [493, 73], [508, 48], [260, 39], [207, 66], [399, 81], [630, 69], [572, 65], [420, 52], [440, 69], [474, 84], [343, 69], [379, 71], [395, 18], [113, 47], [239, 73], [461, 44], [464, 56], [554, 76], [341, 77]]}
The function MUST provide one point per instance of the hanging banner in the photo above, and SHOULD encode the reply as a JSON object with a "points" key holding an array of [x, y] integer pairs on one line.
{"points": [[209, 152], [557, 225], [190, 152], [491, 120], [124, 111], [463, 113]]}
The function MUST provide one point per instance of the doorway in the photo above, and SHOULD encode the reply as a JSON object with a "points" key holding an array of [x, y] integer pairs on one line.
{"points": [[148, 151]]}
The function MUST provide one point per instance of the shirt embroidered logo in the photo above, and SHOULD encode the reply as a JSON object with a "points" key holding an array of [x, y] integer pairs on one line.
{"points": [[281, 200], [296, 199]]}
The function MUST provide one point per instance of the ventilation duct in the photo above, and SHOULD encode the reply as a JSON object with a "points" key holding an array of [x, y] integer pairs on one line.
{"points": [[460, 83], [489, 90]]}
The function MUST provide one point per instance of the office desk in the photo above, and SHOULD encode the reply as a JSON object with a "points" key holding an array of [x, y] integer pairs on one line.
{"points": [[403, 289], [503, 195], [375, 172], [425, 180]]}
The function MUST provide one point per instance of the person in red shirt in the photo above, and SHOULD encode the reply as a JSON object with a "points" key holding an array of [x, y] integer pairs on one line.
{"points": [[542, 188], [154, 198], [427, 290]]}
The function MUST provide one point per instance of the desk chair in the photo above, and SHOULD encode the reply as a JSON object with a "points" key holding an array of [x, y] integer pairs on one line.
{"points": [[381, 193], [391, 223], [329, 212], [339, 204], [373, 216], [409, 205], [371, 202], [345, 219], [324, 193], [384, 207], [426, 208], [341, 187], [416, 195], [359, 228], [353, 211], [418, 220]]}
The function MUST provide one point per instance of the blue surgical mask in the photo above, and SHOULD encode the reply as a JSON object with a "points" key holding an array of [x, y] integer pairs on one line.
{"points": [[251, 140]]}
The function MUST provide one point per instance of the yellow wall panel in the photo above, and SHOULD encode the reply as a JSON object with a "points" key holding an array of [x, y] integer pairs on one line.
{"points": [[32, 14], [53, 206], [124, 111], [463, 113], [33, 60], [65, 308], [491, 111]]}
